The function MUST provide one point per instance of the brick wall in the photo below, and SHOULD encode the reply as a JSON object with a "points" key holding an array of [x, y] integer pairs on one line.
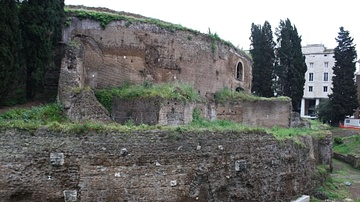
{"points": [[152, 111], [138, 51], [155, 166]]}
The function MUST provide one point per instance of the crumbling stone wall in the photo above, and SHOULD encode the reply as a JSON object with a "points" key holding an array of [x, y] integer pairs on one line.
{"points": [[79, 102], [169, 112], [137, 52], [256, 113], [152, 111], [155, 166]]}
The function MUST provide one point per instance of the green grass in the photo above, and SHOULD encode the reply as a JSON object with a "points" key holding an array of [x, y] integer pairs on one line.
{"points": [[106, 17], [227, 95], [350, 145], [171, 91]]}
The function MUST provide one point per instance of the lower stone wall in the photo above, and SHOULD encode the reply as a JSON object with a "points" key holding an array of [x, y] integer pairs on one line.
{"points": [[152, 111], [256, 113], [155, 166], [349, 159]]}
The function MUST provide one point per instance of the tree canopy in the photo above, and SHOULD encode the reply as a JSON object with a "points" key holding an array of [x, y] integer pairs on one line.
{"points": [[344, 93], [263, 56], [290, 65], [41, 23], [10, 46]]}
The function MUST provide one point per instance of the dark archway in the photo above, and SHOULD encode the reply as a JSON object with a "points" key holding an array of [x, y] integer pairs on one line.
{"points": [[239, 71]]}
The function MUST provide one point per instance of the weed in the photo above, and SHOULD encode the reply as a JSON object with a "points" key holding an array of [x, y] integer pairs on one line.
{"points": [[172, 91], [350, 145], [227, 95]]}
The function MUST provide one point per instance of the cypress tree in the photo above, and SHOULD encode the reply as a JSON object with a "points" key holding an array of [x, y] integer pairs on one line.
{"points": [[263, 56], [344, 94], [10, 44], [41, 22], [290, 65]]}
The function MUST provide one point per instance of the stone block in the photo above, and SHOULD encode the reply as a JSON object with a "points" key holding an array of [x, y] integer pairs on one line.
{"points": [[70, 195], [240, 165], [57, 159]]}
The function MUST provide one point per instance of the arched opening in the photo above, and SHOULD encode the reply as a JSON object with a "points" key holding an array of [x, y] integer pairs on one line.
{"points": [[239, 89], [239, 71]]}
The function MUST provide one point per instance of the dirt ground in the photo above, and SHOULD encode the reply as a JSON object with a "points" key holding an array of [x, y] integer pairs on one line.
{"points": [[346, 173], [27, 105]]}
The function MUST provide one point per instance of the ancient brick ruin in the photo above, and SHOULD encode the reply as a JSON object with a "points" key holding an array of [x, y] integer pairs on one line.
{"points": [[140, 52], [157, 166]]}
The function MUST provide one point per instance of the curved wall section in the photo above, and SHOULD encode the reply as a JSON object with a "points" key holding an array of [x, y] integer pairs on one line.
{"points": [[138, 52]]}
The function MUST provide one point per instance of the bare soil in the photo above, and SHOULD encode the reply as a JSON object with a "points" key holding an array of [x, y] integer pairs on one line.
{"points": [[348, 174], [27, 105]]}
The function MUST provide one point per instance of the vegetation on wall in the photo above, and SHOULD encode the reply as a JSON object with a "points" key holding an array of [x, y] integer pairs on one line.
{"points": [[347, 145], [106, 17], [172, 91], [51, 116], [227, 95]]}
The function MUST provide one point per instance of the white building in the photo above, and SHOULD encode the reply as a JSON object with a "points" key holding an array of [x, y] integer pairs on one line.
{"points": [[318, 84]]}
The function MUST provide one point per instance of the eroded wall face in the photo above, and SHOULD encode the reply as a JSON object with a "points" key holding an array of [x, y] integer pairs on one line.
{"points": [[140, 51], [152, 111], [155, 166], [256, 113]]}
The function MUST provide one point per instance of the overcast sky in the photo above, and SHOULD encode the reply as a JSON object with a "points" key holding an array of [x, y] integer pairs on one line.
{"points": [[317, 21]]}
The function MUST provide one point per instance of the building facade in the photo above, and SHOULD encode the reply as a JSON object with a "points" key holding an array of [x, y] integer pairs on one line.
{"points": [[318, 84]]}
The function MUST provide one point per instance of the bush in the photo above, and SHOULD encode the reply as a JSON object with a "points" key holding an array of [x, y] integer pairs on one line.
{"points": [[338, 140]]}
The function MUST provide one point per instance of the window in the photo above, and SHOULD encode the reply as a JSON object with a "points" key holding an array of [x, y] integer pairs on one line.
{"points": [[326, 76], [325, 89], [239, 71], [311, 76], [326, 64], [347, 121], [311, 65], [310, 89]]}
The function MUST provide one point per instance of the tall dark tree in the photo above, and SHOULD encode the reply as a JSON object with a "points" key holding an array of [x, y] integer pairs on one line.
{"points": [[10, 44], [41, 23], [263, 56], [290, 66], [344, 94]]}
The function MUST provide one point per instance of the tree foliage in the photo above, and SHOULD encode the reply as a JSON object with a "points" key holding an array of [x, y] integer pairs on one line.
{"points": [[10, 44], [324, 110], [263, 56], [41, 23], [344, 94], [290, 65]]}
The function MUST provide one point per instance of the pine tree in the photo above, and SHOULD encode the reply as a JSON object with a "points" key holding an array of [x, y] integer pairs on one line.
{"points": [[344, 94], [290, 66], [263, 56], [10, 44], [41, 22]]}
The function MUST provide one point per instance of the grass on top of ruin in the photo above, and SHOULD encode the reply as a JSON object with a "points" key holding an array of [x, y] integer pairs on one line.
{"points": [[106, 17], [348, 145], [227, 95], [51, 117], [171, 91]]}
